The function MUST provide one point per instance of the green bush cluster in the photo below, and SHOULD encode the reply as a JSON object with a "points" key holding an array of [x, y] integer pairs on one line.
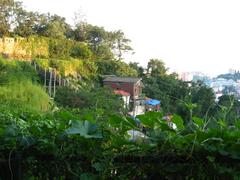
{"points": [[70, 145]]}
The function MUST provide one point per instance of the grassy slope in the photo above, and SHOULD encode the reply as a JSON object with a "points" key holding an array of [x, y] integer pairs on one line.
{"points": [[19, 88]]}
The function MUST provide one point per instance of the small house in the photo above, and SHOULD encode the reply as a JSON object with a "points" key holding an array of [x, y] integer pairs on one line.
{"points": [[131, 91], [133, 86]]}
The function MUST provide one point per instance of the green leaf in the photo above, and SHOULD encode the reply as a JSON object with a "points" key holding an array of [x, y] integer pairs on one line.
{"points": [[222, 123], [211, 159], [89, 117], [88, 176], [146, 121], [122, 123], [99, 166], [85, 129], [198, 121], [191, 106], [178, 121], [150, 119]]}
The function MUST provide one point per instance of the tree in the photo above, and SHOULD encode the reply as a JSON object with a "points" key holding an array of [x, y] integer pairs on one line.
{"points": [[113, 67], [80, 32], [139, 69], [56, 27], [95, 36], [175, 94], [81, 50], [228, 109], [42, 22], [80, 24], [204, 98], [169, 90], [156, 67], [119, 43], [60, 48], [8, 10], [25, 23]]}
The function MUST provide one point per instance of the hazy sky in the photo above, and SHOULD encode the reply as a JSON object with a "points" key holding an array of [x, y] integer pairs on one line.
{"points": [[188, 35]]}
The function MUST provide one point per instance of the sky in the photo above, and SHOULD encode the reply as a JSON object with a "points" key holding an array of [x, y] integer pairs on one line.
{"points": [[188, 35]]}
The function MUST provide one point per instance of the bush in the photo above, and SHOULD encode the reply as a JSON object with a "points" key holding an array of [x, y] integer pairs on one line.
{"points": [[81, 50], [90, 99]]}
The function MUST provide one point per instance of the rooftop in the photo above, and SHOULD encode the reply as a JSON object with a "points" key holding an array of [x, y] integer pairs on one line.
{"points": [[121, 92], [121, 79]]}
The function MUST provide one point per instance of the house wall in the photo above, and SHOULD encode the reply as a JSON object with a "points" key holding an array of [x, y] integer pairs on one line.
{"points": [[135, 90], [126, 101], [128, 87]]}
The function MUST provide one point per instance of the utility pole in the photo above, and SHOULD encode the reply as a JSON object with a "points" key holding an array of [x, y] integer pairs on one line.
{"points": [[54, 82], [50, 84], [45, 78]]}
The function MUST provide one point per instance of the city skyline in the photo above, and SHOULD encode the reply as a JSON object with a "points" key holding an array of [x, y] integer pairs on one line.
{"points": [[188, 35]]}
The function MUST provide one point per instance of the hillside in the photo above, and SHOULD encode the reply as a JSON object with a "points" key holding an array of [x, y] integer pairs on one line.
{"points": [[235, 76], [59, 121], [20, 89]]}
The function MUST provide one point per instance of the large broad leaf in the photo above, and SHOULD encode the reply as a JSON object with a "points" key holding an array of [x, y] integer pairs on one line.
{"points": [[146, 121], [122, 123], [178, 121], [99, 166], [198, 121], [150, 119], [85, 129], [165, 126]]}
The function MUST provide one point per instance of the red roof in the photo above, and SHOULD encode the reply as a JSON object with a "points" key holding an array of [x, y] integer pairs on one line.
{"points": [[121, 92]]}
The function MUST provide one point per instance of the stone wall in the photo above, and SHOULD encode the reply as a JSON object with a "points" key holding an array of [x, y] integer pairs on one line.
{"points": [[23, 48]]}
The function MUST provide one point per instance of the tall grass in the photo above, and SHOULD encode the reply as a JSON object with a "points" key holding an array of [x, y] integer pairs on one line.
{"points": [[23, 96], [19, 90]]}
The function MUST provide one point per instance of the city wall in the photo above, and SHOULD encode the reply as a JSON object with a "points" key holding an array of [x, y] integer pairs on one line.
{"points": [[24, 48]]}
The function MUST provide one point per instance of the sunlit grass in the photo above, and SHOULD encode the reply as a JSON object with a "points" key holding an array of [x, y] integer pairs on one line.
{"points": [[19, 90]]}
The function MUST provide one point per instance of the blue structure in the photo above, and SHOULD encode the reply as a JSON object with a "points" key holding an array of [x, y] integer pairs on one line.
{"points": [[152, 102]]}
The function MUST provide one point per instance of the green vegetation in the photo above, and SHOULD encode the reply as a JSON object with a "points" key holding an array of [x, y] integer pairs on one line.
{"points": [[19, 90], [62, 145], [84, 132]]}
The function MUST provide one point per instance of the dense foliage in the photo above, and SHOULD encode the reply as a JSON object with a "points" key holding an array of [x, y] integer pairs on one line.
{"points": [[62, 145], [84, 132]]}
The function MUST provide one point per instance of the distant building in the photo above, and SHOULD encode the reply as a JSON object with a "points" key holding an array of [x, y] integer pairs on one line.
{"points": [[218, 95], [186, 76], [220, 83], [152, 104], [131, 85], [128, 86], [193, 76]]}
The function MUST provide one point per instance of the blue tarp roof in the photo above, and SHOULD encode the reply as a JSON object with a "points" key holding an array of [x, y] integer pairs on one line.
{"points": [[152, 102]]}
